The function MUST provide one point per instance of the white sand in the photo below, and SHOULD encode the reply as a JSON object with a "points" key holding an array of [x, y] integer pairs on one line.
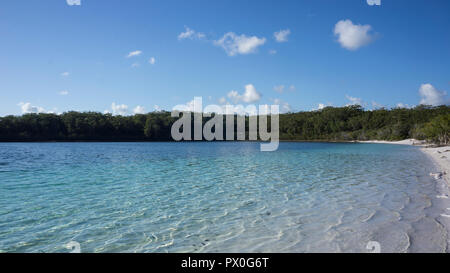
{"points": [[441, 157], [410, 141]]}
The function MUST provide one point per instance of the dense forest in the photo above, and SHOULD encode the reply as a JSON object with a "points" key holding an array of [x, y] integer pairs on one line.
{"points": [[329, 124]]}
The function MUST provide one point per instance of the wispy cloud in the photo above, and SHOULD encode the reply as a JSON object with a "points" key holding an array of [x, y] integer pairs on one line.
{"points": [[281, 88], [352, 36], [232, 43], [284, 106], [239, 44], [354, 101], [190, 34], [152, 60], [134, 53], [64, 93], [282, 35], [402, 105], [73, 2], [376, 105], [65, 74], [374, 2]]}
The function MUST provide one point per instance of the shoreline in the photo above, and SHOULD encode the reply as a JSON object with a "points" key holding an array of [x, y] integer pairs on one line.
{"points": [[410, 141], [440, 156]]}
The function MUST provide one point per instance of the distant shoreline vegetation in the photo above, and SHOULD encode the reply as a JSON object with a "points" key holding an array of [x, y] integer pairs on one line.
{"points": [[329, 124]]}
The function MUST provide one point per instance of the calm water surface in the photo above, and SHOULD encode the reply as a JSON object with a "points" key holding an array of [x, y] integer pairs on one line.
{"points": [[217, 197]]}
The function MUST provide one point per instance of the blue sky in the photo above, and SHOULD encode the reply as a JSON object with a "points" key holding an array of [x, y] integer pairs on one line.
{"points": [[56, 57]]}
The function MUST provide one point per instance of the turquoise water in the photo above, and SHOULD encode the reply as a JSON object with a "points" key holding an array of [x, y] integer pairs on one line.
{"points": [[217, 197]]}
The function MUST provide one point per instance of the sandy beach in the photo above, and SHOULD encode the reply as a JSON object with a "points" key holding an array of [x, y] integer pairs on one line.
{"points": [[441, 157], [410, 141]]}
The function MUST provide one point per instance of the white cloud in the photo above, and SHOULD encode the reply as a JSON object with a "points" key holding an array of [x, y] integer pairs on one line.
{"points": [[189, 106], [73, 2], [139, 110], [64, 93], [27, 108], [321, 106], [239, 44], [402, 105], [282, 35], [250, 95], [352, 36], [272, 52], [134, 53], [228, 108], [431, 96], [284, 106], [234, 95], [152, 60], [157, 108], [119, 109], [190, 34], [354, 101], [374, 2], [292, 87], [376, 105], [65, 74]]}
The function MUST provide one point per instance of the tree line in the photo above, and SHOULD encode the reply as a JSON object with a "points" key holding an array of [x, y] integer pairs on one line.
{"points": [[328, 124]]}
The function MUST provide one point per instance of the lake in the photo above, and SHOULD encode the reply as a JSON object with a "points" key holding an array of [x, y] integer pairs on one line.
{"points": [[217, 197]]}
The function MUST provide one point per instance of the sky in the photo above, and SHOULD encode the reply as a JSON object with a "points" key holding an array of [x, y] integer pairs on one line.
{"points": [[138, 56]]}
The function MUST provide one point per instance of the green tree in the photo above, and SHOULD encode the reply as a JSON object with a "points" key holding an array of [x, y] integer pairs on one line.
{"points": [[438, 129]]}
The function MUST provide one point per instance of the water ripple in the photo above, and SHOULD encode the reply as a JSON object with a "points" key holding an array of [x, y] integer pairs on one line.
{"points": [[217, 197]]}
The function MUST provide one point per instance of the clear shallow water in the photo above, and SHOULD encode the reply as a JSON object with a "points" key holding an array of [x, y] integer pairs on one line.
{"points": [[217, 197]]}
